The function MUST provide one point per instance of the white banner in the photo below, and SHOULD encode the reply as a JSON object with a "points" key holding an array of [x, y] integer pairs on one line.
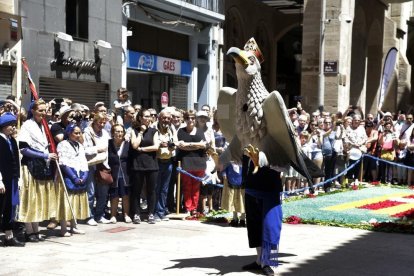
{"points": [[168, 65], [387, 72]]}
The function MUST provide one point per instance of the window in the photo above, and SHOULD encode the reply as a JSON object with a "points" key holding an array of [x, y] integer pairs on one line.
{"points": [[77, 18]]}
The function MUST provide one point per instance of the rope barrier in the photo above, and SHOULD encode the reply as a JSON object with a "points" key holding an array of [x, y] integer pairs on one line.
{"points": [[286, 193], [203, 179]]}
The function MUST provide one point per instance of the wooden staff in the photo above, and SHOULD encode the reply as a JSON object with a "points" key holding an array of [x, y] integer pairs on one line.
{"points": [[178, 189]]}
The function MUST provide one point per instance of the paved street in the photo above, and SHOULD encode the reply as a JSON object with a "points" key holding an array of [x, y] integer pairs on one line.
{"points": [[194, 248]]}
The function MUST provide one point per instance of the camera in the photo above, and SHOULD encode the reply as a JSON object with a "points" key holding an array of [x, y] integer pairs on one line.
{"points": [[171, 144], [298, 98], [77, 117]]}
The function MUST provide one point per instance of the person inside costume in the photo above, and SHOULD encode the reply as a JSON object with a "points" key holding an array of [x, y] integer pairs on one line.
{"points": [[263, 214], [9, 176], [74, 166], [38, 193]]}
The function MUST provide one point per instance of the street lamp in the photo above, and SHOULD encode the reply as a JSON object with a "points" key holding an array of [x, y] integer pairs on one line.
{"points": [[102, 43], [63, 36]]}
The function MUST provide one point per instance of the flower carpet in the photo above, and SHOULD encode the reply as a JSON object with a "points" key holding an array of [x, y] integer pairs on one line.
{"points": [[375, 206]]}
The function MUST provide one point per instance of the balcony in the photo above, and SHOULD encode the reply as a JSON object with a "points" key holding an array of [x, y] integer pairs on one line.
{"points": [[216, 6]]}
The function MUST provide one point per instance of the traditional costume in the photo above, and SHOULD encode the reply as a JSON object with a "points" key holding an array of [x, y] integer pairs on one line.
{"points": [[38, 193], [9, 176]]}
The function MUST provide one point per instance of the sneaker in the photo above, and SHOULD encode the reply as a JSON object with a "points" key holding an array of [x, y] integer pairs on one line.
{"points": [[268, 271], [113, 220], [127, 219], [103, 221], [77, 231], [157, 219], [136, 220], [151, 219], [92, 222], [164, 218]]}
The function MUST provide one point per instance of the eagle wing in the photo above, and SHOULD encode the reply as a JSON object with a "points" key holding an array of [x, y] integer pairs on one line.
{"points": [[281, 146], [226, 112]]}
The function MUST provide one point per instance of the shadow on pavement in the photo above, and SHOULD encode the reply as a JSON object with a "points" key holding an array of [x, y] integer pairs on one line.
{"points": [[379, 254], [224, 264]]}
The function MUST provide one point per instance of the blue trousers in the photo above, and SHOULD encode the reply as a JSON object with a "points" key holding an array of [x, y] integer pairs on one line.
{"points": [[163, 182]]}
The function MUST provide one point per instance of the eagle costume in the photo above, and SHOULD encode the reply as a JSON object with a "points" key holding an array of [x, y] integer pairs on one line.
{"points": [[254, 120], [256, 124]]}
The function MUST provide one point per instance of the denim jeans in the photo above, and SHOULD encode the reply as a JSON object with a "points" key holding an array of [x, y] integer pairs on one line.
{"points": [[90, 189], [100, 191], [163, 183]]}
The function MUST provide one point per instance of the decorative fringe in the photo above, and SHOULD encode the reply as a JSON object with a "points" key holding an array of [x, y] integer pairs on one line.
{"points": [[269, 254]]}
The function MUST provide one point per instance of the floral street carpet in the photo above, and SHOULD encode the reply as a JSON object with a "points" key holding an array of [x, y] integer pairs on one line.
{"points": [[369, 205]]}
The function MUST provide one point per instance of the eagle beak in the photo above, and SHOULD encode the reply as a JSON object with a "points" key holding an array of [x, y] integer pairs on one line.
{"points": [[239, 56]]}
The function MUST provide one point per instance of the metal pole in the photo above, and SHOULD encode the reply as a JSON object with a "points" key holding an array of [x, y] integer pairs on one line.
{"points": [[321, 88], [178, 189], [62, 181]]}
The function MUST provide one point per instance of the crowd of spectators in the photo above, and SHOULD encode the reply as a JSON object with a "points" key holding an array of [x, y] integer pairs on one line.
{"points": [[121, 164], [117, 165], [334, 142]]}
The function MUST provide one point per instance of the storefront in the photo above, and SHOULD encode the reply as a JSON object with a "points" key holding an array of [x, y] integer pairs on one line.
{"points": [[148, 76], [10, 34]]}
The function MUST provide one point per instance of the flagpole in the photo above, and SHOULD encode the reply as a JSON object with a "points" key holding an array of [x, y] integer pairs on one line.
{"points": [[48, 136]]}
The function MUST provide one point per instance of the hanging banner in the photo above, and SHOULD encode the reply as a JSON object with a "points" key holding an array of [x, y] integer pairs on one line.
{"points": [[387, 72]]}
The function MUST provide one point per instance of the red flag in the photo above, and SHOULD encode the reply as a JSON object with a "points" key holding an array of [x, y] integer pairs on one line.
{"points": [[32, 87]]}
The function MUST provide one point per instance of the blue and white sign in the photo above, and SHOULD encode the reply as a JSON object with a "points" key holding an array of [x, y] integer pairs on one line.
{"points": [[152, 63]]}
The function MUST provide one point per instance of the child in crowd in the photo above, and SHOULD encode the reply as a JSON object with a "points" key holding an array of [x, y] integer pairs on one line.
{"points": [[121, 103], [207, 188], [233, 194]]}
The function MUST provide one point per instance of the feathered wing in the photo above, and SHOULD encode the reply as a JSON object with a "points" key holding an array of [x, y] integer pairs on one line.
{"points": [[226, 112], [280, 145]]}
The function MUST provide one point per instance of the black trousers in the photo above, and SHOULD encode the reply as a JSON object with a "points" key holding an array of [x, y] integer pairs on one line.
{"points": [[6, 210], [329, 162], [254, 220], [138, 180], [171, 204]]}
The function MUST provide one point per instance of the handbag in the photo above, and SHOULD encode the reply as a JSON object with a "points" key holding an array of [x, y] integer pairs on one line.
{"points": [[103, 175], [39, 169]]}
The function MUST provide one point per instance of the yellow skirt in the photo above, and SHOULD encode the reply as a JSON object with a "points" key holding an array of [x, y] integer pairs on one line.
{"points": [[44, 199], [232, 199], [37, 198], [79, 202]]}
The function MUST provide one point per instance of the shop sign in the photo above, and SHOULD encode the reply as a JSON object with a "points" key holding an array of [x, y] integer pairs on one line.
{"points": [[153, 63], [9, 56], [74, 64]]}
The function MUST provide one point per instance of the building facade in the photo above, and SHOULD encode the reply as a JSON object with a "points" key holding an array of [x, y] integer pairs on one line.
{"points": [[10, 49], [173, 46], [328, 54], [73, 48]]}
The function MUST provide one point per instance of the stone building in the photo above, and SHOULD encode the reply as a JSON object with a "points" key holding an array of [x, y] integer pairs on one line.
{"points": [[10, 49], [73, 48], [356, 37]]}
